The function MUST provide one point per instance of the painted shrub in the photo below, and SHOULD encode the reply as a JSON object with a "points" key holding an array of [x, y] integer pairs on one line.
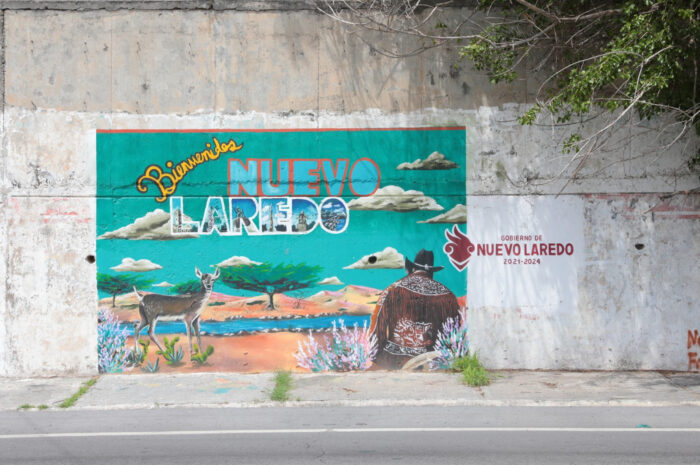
{"points": [[252, 242]]}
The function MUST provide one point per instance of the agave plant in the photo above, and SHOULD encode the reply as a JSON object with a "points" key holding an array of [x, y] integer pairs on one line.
{"points": [[346, 350], [452, 341], [112, 352]]}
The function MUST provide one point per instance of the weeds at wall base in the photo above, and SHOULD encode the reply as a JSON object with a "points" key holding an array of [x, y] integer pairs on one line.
{"points": [[74, 398], [283, 384], [473, 372]]}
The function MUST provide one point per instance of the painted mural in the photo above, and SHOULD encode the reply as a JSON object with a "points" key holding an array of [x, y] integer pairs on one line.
{"points": [[260, 250]]}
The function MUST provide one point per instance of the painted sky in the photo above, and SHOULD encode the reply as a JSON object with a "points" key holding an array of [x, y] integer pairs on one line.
{"points": [[123, 157]]}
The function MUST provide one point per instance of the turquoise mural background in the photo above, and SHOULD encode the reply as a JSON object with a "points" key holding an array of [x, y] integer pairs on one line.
{"points": [[123, 156]]}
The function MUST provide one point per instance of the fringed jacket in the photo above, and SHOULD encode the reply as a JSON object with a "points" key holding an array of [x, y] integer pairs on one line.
{"points": [[409, 314]]}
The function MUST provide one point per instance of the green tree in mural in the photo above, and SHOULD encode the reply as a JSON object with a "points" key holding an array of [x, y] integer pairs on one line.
{"points": [[186, 287], [115, 285], [270, 279]]}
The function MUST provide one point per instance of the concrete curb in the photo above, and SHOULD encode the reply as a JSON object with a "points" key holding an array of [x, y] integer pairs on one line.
{"points": [[391, 403], [225, 390]]}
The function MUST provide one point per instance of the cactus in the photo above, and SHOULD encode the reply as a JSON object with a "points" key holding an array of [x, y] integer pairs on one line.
{"points": [[172, 355], [139, 355], [201, 357]]}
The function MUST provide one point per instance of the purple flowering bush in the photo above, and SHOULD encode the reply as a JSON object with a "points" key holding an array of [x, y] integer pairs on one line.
{"points": [[346, 350], [452, 341], [112, 352]]}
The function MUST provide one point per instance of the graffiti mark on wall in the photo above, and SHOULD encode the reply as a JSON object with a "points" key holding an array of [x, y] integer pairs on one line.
{"points": [[312, 250], [693, 349]]}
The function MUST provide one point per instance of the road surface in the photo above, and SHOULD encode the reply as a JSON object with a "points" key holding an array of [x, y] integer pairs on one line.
{"points": [[346, 435]]}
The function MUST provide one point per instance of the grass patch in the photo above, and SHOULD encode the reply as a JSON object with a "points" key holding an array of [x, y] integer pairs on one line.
{"points": [[79, 393], [30, 406], [473, 372], [283, 384]]}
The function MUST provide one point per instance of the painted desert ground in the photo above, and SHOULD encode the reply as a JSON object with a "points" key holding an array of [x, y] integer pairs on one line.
{"points": [[258, 351]]}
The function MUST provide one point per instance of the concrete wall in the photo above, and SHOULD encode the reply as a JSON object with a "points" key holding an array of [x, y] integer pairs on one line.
{"points": [[69, 72]]}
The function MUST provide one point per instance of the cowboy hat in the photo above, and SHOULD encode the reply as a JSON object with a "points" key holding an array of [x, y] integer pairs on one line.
{"points": [[423, 262]]}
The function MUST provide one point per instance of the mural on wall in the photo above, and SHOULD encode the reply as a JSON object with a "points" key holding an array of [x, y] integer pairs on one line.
{"points": [[257, 250]]}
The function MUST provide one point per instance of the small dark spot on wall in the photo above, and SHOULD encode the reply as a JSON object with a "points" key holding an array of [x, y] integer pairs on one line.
{"points": [[145, 86], [90, 259], [639, 246], [454, 71], [372, 259], [465, 88], [432, 78], [487, 153], [105, 48]]}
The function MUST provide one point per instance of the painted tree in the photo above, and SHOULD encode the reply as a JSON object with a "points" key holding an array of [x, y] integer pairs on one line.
{"points": [[186, 287], [115, 285], [270, 279]]}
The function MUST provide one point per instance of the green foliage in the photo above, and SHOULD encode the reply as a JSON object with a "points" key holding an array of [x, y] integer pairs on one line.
{"points": [[42, 407], [187, 287], [25, 407], [172, 355], [487, 56], [138, 356], [151, 367], [201, 357], [473, 372], [115, 285], [270, 279], [69, 402], [612, 55], [283, 384]]}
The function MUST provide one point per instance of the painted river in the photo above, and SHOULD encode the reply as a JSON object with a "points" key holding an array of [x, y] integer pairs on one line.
{"points": [[248, 325]]}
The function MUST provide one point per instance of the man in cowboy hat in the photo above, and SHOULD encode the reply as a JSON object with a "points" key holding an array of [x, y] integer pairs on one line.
{"points": [[410, 312]]}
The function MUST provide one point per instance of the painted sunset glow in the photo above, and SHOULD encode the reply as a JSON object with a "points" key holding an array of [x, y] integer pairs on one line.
{"points": [[276, 252]]}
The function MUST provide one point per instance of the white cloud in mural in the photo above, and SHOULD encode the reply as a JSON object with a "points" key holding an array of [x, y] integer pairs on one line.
{"points": [[435, 161], [154, 226], [387, 258], [330, 281], [163, 284], [129, 264], [457, 215], [236, 261], [394, 198]]}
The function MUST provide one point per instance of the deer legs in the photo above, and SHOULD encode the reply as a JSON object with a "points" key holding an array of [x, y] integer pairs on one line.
{"points": [[152, 334], [191, 328], [188, 330], [195, 326]]}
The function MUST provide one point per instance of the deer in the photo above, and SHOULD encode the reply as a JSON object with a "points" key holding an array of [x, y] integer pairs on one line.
{"points": [[185, 307]]}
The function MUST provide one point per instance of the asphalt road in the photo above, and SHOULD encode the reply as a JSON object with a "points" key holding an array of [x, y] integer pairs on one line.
{"points": [[368, 435]]}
